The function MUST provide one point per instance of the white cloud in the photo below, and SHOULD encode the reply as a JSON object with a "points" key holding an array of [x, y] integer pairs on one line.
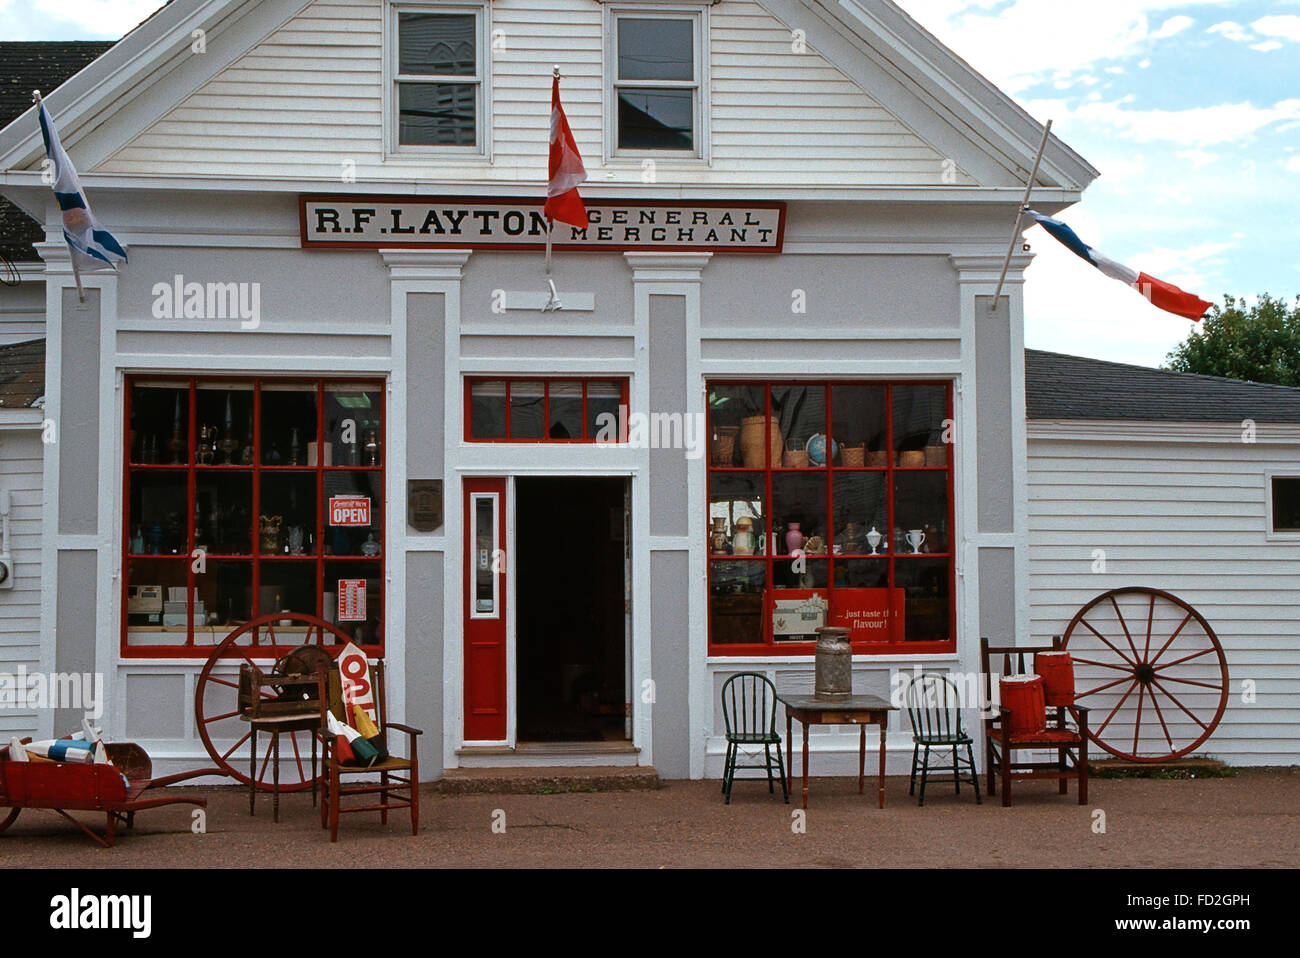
{"points": [[1007, 40], [1198, 158], [1266, 46], [1193, 127], [1231, 31], [1172, 26], [1293, 164], [1287, 27]]}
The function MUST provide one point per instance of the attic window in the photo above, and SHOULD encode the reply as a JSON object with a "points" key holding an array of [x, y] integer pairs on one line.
{"points": [[1284, 499], [438, 77], [657, 68]]}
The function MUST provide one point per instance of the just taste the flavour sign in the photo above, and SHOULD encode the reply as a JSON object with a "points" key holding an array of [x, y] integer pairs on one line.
{"points": [[375, 222]]}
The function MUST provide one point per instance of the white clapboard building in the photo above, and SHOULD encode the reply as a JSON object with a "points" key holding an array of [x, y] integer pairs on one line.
{"points": [[334, 380]]}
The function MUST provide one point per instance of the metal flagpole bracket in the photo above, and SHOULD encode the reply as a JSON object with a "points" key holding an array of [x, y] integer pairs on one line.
{"points": [[1020, 216]]}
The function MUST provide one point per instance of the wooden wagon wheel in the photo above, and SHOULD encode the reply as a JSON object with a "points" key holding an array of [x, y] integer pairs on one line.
{"points": [[9, 819], [259, 643], [1150, 670]]}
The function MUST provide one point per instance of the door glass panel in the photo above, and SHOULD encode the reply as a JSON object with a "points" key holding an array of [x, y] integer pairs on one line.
{"points": [[485, 579]]}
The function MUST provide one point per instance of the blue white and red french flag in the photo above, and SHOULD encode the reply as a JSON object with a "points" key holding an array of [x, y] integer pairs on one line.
{"points": [[565, 170], [1163, 295]]}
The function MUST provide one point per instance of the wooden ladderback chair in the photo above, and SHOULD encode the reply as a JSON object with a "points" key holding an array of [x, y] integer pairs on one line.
{"points": [[1001, 742], [399, 778], [749, 712], [934, 704]]}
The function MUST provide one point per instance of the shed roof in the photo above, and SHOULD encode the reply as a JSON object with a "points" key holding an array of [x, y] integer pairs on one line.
{"points": [[1073, 387], [24, 67], [22, 374]]}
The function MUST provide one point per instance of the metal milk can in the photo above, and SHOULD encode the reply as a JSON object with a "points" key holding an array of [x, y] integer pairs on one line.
{"points": [[834, 664]]}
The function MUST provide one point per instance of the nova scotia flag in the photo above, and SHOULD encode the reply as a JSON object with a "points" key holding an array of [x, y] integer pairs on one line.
{"points": [[92, 247]]}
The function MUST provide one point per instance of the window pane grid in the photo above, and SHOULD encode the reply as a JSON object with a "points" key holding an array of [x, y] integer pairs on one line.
{"points": [[550, 410], [824, 496]]}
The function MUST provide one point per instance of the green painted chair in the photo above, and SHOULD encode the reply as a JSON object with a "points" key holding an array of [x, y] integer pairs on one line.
{"points": [[749, 711], [934, 707]]}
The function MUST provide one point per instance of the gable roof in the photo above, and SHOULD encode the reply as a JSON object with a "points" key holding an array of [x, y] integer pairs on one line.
{"points": [[22, 374], [952, 109], [24, 67], [1073, 387]]}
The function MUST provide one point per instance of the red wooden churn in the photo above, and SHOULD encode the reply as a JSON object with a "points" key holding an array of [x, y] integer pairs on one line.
{"points": [[1057, 670], [1023, 695]]}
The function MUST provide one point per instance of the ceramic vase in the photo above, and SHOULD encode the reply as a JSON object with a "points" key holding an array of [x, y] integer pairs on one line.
{"points": [[793, 538]]}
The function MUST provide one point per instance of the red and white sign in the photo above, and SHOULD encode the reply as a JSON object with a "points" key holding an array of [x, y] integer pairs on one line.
{"points": [[349, 510], [354, 669], [352, 600], [869, 614]]}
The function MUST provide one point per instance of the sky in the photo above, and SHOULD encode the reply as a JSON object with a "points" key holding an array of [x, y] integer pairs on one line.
{"points": [[1189, 108]]}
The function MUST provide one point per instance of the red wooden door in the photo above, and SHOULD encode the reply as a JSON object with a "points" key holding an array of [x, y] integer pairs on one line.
{"points": [[485, 610]]}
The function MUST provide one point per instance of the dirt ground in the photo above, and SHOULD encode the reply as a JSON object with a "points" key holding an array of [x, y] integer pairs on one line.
{"points": [[1248, 821]]}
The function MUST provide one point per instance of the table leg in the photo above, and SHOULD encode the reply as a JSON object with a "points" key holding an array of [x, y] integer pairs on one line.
{"points": [[883, 724], [252, 770], [789, 754], [804, 726], [862, 756]]}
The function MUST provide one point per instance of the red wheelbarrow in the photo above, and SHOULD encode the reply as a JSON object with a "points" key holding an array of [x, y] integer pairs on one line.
{"points": [[59, 786]]}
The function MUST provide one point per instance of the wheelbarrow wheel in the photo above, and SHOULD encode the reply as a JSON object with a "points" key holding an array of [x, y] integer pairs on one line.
{"points": [[1151, 671], [9, 819], [216, 704]]}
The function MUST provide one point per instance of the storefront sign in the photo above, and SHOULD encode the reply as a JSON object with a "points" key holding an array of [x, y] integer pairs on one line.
{"points": [[424, 504], [375, 222], [869, 614], [350, 510], [352, 600]]}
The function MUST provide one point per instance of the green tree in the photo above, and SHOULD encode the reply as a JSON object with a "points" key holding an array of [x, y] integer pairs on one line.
{"points": [[1259, 343]]}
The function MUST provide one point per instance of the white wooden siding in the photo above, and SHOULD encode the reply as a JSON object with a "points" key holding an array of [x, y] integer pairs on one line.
{"points": [[22, 311], [20, 607], [1189, 518], [310, 97]]}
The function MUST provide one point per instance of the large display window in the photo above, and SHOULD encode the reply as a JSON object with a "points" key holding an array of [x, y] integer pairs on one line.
{"points": [[830, 503], [250, 496]]}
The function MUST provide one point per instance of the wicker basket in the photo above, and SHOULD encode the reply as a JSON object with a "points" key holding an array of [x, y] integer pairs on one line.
{"points": [[936, 455], [911, 458], [796, 459], [723, 452], [877, 459], [854, 455]]}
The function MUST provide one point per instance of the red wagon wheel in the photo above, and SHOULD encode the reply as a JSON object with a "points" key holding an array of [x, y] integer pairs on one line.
{"points": [[1151, 671], [9, 819], [216, 709]]}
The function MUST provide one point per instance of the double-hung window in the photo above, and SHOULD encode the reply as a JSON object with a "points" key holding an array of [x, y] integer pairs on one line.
{"points": [[657, 67], [438, 68]]}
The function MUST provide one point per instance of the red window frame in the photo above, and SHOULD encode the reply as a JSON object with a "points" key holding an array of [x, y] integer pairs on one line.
{"points": [[192, 469], [895, 645], [546, 381]]}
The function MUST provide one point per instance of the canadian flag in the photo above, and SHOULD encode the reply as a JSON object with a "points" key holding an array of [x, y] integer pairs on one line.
{"points": [[566, 170]]}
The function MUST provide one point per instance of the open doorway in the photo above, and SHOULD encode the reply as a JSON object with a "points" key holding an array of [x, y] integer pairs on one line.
{"points": [[571, 653]]}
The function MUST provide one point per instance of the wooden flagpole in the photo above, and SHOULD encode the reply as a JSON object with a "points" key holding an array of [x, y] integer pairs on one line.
{"points": [[1020, 216]]}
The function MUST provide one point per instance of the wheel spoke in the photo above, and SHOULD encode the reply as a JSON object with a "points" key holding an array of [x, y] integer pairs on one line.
{"points": [[1186, 658], [1186, 711], [266, 760], [225, 682], [1099, 688], [1151, 614], [230, 751], [1160, 715], [1204, 685], [1181, 625], [223, 715], [1137, 724], [297, 757], [1124, 625], [1106, 665], [1088, 625], [1118, 704]]}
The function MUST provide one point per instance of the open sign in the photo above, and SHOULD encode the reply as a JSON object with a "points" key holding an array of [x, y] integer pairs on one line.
{"points": [[350, 511]]}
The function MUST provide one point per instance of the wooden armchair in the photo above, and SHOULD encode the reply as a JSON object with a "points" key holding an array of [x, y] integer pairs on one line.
{"points": [[399, 778], [1000, 742]]}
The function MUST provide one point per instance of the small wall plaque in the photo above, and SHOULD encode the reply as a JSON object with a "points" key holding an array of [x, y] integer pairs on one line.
{"points": [[424, 504]]}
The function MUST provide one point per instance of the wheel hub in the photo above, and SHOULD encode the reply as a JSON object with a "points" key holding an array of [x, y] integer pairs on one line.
{"points": [[1144, 673]]}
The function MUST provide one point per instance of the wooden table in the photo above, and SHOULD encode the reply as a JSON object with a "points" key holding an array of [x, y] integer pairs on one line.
{"points": [[860, 710]]}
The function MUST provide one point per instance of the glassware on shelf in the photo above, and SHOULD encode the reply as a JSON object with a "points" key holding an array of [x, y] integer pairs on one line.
{"points": [[295, 449], [228, 445], [372, 448], [203, 451], [370, 547], [874, 538]]}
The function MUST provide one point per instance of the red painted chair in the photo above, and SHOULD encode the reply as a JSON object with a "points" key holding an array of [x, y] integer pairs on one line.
{"points": [[1002, 741]]}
